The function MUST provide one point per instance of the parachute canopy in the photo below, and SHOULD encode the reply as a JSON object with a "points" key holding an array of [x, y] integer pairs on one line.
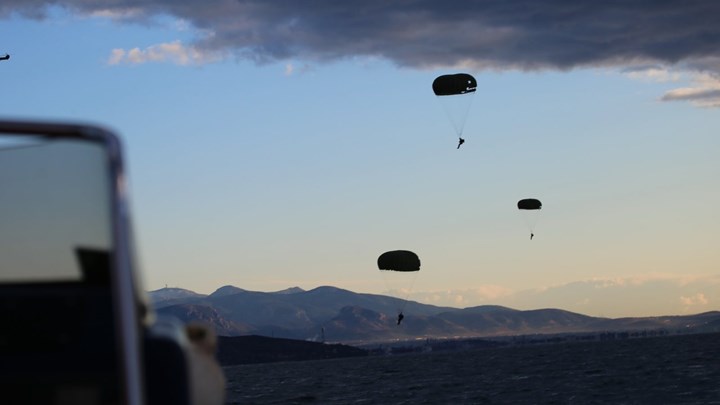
{"points": [[399, 260], [529, 204], [449, 85]]}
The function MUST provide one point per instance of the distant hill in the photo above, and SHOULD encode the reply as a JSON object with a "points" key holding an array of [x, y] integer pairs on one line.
{"points": [[227, 290], [339, 315], [169, 296]]}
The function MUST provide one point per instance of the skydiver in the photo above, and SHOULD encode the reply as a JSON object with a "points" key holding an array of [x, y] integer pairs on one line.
{"points": [[460, 142], [400, 318], [531, 235]]}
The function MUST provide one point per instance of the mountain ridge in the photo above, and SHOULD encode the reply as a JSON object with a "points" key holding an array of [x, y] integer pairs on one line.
{"points": [[339, 315]]}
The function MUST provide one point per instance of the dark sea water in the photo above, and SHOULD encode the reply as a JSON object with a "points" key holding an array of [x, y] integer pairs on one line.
{"points": [[659, 370]]}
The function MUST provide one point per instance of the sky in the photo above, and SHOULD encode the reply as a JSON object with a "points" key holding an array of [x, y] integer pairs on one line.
{"points": [[280, 144]]}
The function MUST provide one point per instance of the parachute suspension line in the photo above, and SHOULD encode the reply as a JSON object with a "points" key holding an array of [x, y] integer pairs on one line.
{"points": [[403, 294], [407, 295], [399, 285], [456, 109], [531, 218]]}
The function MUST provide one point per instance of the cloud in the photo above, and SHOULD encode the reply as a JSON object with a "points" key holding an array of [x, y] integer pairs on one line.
{"points": [[695, 300], [639, 295], [642, 295], [485, 294], [523, 34], [128, 13], [701, 96], [479, 34], [295, 69], [652, 73], [174, 52], [116, 56]]}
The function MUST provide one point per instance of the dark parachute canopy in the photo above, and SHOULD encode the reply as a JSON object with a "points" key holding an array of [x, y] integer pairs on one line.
{"points": [[529, 204], [399, 260], [449, 85]]}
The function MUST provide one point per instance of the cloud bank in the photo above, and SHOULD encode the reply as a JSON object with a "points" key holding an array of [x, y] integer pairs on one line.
{"points": [[652, 295], [174, 52], [476, 35]]}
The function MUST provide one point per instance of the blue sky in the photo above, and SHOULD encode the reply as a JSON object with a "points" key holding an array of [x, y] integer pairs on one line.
{"points": [[267, 160]]}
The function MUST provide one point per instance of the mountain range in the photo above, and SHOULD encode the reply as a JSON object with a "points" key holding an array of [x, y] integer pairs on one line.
{"points": [[337, 315]]}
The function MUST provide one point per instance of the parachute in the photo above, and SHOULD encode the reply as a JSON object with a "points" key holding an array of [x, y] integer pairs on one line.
{"points": [[455, 93], [529, 204], [450, 85], [399, 269], [530, 207], [399, 260]]}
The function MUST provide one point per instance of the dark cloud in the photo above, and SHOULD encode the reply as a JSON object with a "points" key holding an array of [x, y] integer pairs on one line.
{"points": [[501, 34]]}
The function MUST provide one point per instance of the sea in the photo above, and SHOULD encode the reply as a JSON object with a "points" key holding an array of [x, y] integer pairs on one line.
{"points": [[680, 369], [677, 369]]}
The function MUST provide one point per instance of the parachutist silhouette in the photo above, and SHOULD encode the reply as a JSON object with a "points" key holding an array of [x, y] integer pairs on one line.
{"points": [[402, 264], [455, 93], [530, 208]]}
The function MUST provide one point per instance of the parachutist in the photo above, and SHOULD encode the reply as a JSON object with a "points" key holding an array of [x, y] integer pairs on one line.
{"points": [[399, 265], [530, 208], [455, 92]]}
